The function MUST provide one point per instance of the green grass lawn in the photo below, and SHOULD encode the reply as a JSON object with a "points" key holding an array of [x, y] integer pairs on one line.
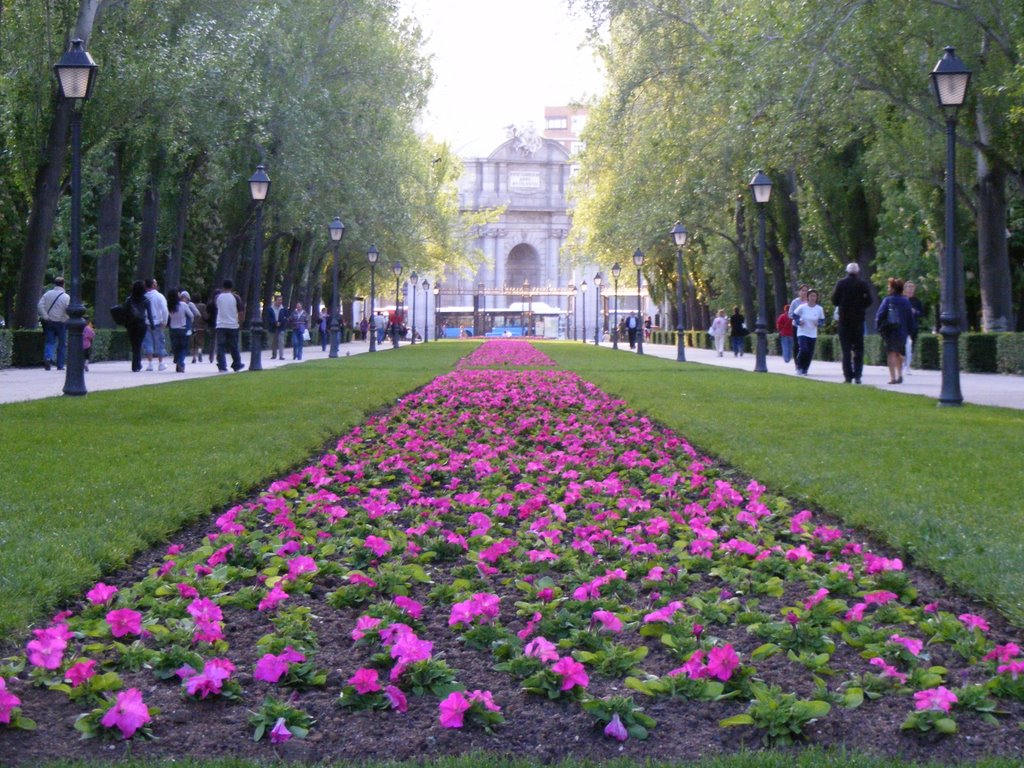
{"points": [[90, 482], [943, 485]]}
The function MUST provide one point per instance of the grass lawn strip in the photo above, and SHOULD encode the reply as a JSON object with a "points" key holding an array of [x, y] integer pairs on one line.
{"points": [[528, 523]]}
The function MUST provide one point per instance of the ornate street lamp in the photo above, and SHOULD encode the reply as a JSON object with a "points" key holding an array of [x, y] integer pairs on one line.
{"points": [[761, 188], [413, 278], [616, 271], [76, 74], [437, 295], [371, 256], [396, 270], [597, 311], [638, 260], [426, 296], [336, 230], [572, 307], [680, 236], [583, 300], [259, 186], [949, 80]]}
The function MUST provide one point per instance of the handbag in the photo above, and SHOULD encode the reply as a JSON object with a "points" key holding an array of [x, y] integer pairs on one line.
{"points": [[119, 314], [305, 334], [892, 317]]}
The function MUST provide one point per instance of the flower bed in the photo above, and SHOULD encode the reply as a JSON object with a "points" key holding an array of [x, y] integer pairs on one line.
{"points": [[509, 559]]}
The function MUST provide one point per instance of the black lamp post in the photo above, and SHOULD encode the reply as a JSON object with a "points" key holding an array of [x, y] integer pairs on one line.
{"points": [[259, 186], [571, 288], [616, 271], [437, 295], [528, 294], [396, 270], [336, 230], [76, 74], [597, 310], [761, 188], [638, 260], [680, 236], [583, 300], [426, 296], [412, 282], [950, 79], [371, 256]]}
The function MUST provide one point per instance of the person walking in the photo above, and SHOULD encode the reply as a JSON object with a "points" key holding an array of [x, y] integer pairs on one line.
{"points": [[895, 321], [154, 344], [915, 303], [632, 326], [784, 325], [298, 321], [801, 298], [737, 330], [139, 316], [718, 330], [88, 334], [230, 311], [53, 316], [852, 297], [179, 321], [809, 317], [275, 317], [321, 328], [363, 327]]}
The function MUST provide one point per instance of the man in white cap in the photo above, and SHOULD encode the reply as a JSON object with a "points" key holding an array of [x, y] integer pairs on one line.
{"points": [[852, 297]]}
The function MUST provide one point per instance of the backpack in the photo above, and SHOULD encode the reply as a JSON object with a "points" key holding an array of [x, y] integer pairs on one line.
{"points": [[138, 310], [892, 317]]}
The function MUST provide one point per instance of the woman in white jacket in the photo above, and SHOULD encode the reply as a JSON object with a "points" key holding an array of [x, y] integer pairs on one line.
{"points": [[719, 330]]}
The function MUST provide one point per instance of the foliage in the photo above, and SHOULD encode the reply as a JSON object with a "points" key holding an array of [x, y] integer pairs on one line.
{"points": [[781, 717]]}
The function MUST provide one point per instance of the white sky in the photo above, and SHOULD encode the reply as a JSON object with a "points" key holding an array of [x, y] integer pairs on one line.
{"points": [[498, 62]]}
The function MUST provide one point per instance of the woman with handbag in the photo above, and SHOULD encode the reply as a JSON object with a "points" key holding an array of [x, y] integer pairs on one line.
{"points": [[299, 322], [718, 330], [895, 320]]}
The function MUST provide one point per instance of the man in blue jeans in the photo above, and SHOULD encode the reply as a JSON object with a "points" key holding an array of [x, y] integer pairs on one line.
{"points": [[53, 314], [230, 311]]}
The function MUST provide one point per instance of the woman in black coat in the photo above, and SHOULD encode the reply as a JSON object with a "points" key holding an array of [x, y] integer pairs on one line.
{"points": [[139, 317], [895, 326]]}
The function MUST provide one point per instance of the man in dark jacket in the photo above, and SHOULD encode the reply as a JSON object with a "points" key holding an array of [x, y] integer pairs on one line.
{"points": [[852, 297]]}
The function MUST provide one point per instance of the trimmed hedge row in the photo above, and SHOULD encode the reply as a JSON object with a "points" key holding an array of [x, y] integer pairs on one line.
{"points": [[978, 352], [24, 349]]}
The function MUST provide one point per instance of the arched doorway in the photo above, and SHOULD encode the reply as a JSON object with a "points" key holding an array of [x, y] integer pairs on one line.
{"points": [[522, 264]]}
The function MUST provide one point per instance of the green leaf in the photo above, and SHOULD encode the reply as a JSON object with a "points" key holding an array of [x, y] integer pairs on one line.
{"points": [[853, 698], [765, 651], [743, 719], [816, 708], [945, 725]]}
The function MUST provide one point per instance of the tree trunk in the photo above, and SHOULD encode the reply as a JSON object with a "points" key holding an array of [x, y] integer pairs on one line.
{"points": [[780, 285], [289, 283], [46, 191], [794, 238], [172, 276], [146, 265], [993, 257], [108, 228]]}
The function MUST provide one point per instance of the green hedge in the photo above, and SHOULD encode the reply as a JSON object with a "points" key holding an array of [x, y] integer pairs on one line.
{"points": [[6, 344], [1010, 353]]}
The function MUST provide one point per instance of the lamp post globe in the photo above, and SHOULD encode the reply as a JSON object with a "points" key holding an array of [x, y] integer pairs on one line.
{"points": [[597, 311], [680, 237], [336, 230], [638, 260], [372, 254], [616, 271], [426, 297], [396, 270], [761, 189], [76, 75], [950, 79], [259, 188]]}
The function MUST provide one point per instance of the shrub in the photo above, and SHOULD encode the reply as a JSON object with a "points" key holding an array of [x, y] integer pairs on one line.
{"points": [[978, 352], [27, 348], [826, 347], [928, 352], [1009, 353], [6, 343]]}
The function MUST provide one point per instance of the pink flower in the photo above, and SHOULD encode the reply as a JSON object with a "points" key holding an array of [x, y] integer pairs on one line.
{"points": [[300, 565], [365, 680], [913, 645], [453, 709], [124, 621], [273, 598], [542, 649], [856, 613], [128, 714], [1002, 652], [722, 661], [279, 734], [573, 673], [941, 699], [363, 625], [47, 650], [101, 593], [80, 672], [410, 606], [815, 599], [211, 680], [615, 729], [801, 553], [377, 545], [8, 701], [187, 591], [887, 670], [396, 698], [607, 620], [972, 621], [1015, 668], [270, 668], [880, 598]]}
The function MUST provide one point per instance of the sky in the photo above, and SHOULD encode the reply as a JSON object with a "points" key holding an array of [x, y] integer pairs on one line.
{"points": [[498, 62]]}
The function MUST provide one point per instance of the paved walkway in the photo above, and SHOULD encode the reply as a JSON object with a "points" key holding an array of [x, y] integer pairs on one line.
{"points": [[17, 384]]}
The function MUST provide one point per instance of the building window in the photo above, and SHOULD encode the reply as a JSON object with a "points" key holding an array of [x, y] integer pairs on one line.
{"points": [[558, 123]]}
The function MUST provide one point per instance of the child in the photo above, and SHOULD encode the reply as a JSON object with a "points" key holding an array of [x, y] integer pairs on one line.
{"points": [[88, 334]]}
